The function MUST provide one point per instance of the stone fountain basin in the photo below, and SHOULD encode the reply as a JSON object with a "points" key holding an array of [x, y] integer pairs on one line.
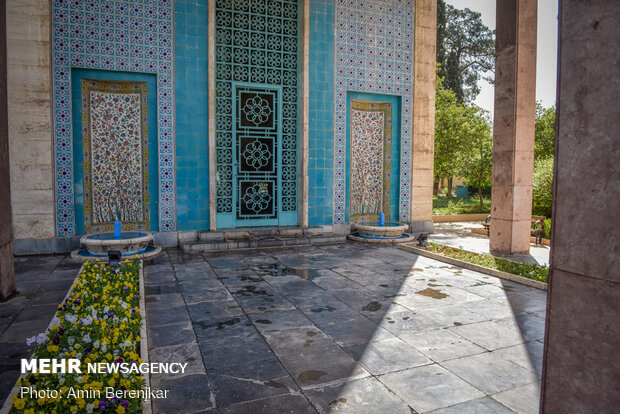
{"points": [[391, 229], [130, 243]]}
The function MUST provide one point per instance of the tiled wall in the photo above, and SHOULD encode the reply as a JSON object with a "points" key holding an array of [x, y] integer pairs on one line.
{"points": [[321, 112], [192, 151], [374, 53], [134, 36]]}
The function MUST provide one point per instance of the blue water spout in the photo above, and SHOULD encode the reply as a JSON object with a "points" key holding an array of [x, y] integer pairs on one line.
{"points": [[117, 229], [382, 220]]}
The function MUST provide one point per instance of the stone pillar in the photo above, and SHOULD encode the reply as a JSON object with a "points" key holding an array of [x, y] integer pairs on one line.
{"points": [[7, 274], [30, 118], [423, 142], [581, 368], [513, 132], [304, 129]]}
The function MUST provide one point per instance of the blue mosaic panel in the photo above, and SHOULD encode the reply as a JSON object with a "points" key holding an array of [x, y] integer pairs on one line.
{"points": [[321, 112], [374, 53], [132, 36]]}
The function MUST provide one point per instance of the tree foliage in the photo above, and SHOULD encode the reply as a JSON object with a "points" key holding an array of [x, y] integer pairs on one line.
{"points": [[542, 189], [465, 50], [544, 142], [463, 140]]}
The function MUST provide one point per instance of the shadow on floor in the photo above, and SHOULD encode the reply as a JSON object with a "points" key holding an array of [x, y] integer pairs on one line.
{"points": [[347, 327]]}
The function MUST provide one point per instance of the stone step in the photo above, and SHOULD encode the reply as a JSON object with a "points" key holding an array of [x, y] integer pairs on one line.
{"points": [[234, 240]]}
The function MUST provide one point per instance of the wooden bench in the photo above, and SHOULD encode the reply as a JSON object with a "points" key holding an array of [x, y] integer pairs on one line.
{"points": [[538, 227]]}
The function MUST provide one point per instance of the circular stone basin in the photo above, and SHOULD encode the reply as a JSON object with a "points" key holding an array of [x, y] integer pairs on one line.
{"points": [[392, 229], [130, 243]]}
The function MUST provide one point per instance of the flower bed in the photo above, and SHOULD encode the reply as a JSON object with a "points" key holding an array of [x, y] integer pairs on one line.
{"points": [[99, 322], [532, 271]]}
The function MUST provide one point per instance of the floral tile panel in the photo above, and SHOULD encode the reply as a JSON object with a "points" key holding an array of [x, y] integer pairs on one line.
{"points": [[115, 145], [371, 131]]}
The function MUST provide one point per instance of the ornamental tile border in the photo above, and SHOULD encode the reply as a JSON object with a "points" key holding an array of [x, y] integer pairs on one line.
{"points": [[374, 54], [129, 36]]}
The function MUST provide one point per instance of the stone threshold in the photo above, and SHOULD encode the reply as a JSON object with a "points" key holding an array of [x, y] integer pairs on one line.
{"points": [[144, 354], [258, 238], [491, 272]]}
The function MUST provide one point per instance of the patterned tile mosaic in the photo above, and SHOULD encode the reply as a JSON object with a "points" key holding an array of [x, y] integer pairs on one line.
{"points": [[133, 36], [115, 142], [371, 133], [374, 53]]}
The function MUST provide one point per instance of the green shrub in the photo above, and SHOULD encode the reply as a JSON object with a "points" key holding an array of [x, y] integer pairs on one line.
{"points": [[547, 229], [542, 190], [532, 271]]}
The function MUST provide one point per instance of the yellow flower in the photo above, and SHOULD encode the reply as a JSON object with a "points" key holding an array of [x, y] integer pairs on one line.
{"points": [[111, 382], [19, 403], [120, 409], [29, 411]]}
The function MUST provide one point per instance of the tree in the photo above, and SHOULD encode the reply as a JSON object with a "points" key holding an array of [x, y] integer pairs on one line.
{"points": [[465, 51], [448, 140], [477, 158], [463, 140], [544, 141], [542, 189]]}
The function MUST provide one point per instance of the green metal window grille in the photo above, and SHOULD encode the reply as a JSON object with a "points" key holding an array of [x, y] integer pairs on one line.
{"points": [[256, 107]]}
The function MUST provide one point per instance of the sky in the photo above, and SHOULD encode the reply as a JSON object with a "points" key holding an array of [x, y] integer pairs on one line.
{"points": [[546, 54]]}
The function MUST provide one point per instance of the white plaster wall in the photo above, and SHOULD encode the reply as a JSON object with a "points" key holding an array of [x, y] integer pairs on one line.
{"points": [[29, 113]]}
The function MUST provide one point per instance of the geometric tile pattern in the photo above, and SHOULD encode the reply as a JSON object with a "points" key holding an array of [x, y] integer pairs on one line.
{"points": [[115, 142], [374, 53], [371, 133], [131, 36]]}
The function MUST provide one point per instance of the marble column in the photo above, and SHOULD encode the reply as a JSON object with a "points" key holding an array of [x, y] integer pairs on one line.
{"points": [[581, 368], [7, 274], [422, 147], [513, 133]]}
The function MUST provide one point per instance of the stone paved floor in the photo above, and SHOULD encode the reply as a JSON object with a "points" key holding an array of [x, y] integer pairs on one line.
{"points": [[42, 282], [341, 328], [459, 235]]}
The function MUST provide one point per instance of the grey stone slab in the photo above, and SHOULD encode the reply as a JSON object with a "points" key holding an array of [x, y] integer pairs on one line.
{"points": [[355, 331], [490, 334], [49, 297], [207, 295], [524, 399], [387, 355], [441, 345], [486, 405], [251, 381], [225, 327], [407, 321], [189, 286], [222, 351], [209, 311], [363, 396], [326, 366], [158, 277], [490, 373], [527, 302], [277, 321], [160, 289], [166, 316], [167, 335], [18, 332], [13, 306], [529, 355], [164, 301], [489, 309], [298, 340], [451, 315], [530, 327], [186, 394], [36, 312], [291, 404], [8, 379], [429, 387], [185, 354], [416, 301]]}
